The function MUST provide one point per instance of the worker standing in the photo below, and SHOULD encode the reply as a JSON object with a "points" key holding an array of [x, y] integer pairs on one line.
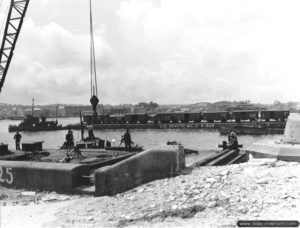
{"points": [[127, 140], [70, 140], [232, 140], [17, 138]]}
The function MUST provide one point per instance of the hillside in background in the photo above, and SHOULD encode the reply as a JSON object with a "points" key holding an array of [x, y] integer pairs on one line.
{"points": [[69, 110]]}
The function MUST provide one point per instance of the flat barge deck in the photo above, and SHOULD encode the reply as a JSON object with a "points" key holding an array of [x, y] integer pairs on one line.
{"points": [[202, 125]]}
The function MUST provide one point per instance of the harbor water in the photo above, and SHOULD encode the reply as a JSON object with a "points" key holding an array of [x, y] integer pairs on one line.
{"points": [[190, 138]]}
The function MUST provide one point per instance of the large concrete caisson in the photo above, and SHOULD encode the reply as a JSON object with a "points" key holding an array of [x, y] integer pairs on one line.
{"points": [[156, 163], [288, 148], [292, 129], [41, 175]]}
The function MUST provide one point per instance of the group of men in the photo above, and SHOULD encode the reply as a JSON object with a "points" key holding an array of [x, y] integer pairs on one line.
{"points": [[126, 139]]}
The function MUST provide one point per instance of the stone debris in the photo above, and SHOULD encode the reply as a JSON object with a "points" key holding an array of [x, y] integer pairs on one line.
{"points": [[55, 197], [174, 207], [2, 196], [211, 180], [212, 204], [225, 173], [28, 193], [140, 190], [242, 209], [262, 181]]}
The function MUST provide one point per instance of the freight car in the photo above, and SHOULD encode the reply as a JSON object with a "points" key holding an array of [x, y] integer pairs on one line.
{"points": [[194, 117], [186, 117], [165, 118], [179, 117], [251, 115], [136, 118], [277, 115], [87, 118], [102, 118], [116, 119], [210, 117]]}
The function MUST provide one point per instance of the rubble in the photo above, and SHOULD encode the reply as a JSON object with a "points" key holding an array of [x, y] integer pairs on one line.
{"points": [[28, 193]]}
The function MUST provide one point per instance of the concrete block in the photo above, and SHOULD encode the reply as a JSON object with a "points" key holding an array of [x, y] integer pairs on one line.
{"points": [[58, 177], [32, 146], [152, 164], [3, 149]]}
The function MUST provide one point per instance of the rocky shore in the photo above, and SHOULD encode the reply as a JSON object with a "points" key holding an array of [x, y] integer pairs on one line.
{"points": [[262, 189]]}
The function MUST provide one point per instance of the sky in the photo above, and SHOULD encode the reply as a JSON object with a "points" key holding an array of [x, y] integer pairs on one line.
{"points": [[166, 51]]}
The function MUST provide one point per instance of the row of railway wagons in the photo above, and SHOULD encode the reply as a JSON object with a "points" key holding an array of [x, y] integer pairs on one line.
{"points": [[195, 117]]}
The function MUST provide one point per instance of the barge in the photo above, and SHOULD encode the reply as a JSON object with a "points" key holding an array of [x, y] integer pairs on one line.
{"points": [[203, 125], [250, 130]]}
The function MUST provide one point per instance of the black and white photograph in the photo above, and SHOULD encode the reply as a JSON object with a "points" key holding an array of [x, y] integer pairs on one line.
{"points": [[149, 113]]}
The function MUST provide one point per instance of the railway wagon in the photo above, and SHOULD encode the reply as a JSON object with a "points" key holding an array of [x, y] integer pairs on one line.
{"points": [[87, 117], [136, 118], [116, 119], [210, 117], [195, 117], [103, 118], [179, 117], [165, 118], [277, 115], [251, 115]]}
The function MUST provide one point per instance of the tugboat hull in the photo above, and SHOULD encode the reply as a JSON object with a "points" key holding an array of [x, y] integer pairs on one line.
{"points": [[14, 128], [35, 124]]}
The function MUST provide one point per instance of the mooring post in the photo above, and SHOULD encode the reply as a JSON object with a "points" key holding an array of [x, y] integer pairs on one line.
{"points": [[224, 145]]}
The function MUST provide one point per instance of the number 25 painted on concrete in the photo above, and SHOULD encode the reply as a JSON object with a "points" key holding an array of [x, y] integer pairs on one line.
{"points": [[9, 176]]}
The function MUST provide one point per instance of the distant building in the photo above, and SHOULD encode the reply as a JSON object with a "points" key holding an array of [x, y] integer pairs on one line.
{"points": [[245, 107], [28, 112], [74, 110], [184, 109], [162, 109], [138, 110], [61, 111], [114, 110], [45, 112]]}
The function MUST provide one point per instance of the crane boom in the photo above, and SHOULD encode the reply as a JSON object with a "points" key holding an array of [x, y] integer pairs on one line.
{"points": [[15, 16]]}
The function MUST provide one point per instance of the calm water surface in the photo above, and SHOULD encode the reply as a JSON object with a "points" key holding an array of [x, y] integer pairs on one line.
{"points": [[200, 139]]}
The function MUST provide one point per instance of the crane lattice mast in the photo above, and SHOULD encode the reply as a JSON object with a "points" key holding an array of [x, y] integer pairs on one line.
{"points": [[15, 16]]}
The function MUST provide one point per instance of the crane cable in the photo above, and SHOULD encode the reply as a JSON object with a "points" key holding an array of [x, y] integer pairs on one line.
{"points": [[94, 91]]}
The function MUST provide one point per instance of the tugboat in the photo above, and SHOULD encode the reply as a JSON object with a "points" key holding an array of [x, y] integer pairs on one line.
{"points": [[31, 123], [34, 123]]}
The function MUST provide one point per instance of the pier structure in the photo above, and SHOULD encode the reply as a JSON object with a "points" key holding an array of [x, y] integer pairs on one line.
{"points": [[96, 175]]}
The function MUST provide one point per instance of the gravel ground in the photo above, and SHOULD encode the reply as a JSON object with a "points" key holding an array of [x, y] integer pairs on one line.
{"points": [[207, 197]]}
